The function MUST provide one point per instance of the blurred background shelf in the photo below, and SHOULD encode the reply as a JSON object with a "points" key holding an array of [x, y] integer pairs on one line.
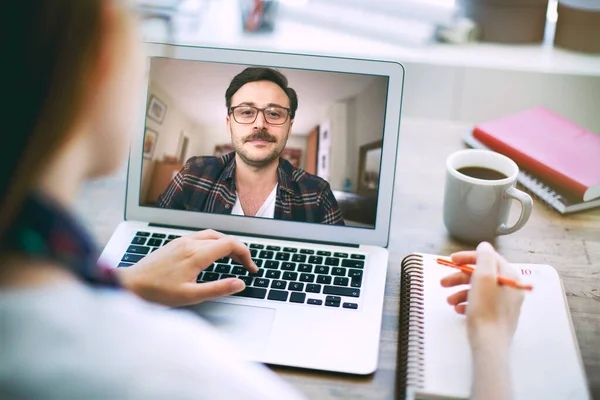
{"points": [[468, 82]]}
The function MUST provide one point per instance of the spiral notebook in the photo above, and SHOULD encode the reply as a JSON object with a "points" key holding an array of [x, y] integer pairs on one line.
{"points": [[434, 360], [559, 200]]}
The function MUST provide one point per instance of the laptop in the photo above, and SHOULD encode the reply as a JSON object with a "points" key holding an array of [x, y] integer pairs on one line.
{"points": [[317, 299]]}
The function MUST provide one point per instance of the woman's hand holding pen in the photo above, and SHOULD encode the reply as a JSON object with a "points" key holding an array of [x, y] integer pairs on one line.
{"points": [[168, 275], [492, 310]]}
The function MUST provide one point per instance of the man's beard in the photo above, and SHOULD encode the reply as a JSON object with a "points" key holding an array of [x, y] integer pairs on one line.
{"points": [[263, 134]]}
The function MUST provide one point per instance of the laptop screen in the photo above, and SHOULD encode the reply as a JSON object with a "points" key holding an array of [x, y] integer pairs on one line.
{"points": [[257, 142]]}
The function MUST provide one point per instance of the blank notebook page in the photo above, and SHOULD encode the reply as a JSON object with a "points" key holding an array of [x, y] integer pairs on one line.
{"points": [[545, 361]]}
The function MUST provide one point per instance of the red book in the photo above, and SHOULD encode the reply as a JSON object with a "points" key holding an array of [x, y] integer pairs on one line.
{"points": [[549, 146]]}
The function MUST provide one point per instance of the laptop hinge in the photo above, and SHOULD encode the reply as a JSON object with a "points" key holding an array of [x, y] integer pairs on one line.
{"points": [[260, 236]]}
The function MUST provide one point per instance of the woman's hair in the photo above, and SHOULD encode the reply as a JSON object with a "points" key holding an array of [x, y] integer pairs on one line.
{"points": [[50, 50]]}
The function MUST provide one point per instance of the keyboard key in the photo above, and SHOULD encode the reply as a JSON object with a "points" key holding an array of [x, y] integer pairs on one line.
{"points": [[297, 286], [144, 234], [307, 251], [259, 273], [308, 278], [238, 271], [225, 276], [353, 306], [323, 253], [358, 256], [339, 281], [278, 284], [253, 292], [282, 256], [153, 249], [171, 237], [211, 267], [332, 303], [315, 302], [154, 242], [340, 255], [166, 242], [267, 255], [326, 279], [272, 264], [333, 298], [258, 262], [338, 271], [353, 263], [233, 262], [315, 260], [355, 277], [199, 278], [290, 276], [124, 264], [134, 249], [332, 261], [224, 260], [247, 279], [279, 295], [256, 246], [273, 274], [253, 253], [139, 240], [297, 297], [210, 276], [341, 291], [299, 258], [290, 249], [273, 248], [321, 269], [304, 268], [132, 258], [159, 235], [288, 266], [313, 288], [261, 282], [222, 268]]}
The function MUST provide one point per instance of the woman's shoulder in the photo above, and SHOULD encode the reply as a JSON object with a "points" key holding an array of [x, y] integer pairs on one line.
{"points": [[77, 341]]}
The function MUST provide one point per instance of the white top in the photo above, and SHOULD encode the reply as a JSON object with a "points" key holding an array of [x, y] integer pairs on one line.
{"points": [[71, 341], [267, 210]]}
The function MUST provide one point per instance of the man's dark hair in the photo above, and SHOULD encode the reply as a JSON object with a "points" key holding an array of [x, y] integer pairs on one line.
{"points": [[255, 74]]}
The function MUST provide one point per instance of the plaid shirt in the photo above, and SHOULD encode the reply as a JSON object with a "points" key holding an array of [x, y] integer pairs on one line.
{"points": [[207, 184]]}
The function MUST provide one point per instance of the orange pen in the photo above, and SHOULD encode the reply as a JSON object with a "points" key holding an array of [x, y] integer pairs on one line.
{"points": [[467, 269]]}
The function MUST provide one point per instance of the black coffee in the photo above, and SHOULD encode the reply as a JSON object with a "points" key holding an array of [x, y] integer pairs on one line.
{"points": [[482, 173]]}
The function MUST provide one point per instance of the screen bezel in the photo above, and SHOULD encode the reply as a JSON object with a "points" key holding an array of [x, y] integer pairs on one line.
{"points": [[379, 236]]}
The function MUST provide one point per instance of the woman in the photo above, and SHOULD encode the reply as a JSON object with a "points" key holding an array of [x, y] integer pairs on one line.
{"points": [[69, 328]]}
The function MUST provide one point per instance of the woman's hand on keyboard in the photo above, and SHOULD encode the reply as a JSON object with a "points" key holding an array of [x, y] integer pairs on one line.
{"points": [[168, 275]]}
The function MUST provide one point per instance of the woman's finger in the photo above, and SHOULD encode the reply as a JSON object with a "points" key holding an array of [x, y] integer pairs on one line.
{"points": [[227, 246], [194, 293], [459, 278], [461, 308], [207, 234], [464, 257], [458, 297]]}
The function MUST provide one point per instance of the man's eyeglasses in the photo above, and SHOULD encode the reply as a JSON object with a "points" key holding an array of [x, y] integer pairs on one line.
{"points": [[274, 115]]}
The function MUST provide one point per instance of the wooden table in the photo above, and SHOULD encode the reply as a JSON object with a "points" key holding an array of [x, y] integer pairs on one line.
{"points": [[570, 243]]}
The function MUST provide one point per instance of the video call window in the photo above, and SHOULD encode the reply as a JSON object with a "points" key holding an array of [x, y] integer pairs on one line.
{"points": [[297, 145]]}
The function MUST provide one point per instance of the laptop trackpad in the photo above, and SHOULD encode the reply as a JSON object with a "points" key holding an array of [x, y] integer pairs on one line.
{"points": [[241, 324]]}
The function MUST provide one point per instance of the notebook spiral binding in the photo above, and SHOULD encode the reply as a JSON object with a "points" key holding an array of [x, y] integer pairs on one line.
{"points": [[410, 368]]}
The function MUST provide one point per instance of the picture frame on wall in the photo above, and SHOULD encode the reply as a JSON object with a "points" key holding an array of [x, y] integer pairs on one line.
{"points": [[150, 139], [156, 109]]}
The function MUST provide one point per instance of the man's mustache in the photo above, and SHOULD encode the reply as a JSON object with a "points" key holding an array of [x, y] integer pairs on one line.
{"points": [[260, 135]]}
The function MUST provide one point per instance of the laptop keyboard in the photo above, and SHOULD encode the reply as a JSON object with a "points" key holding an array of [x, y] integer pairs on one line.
{"points": [[286, 274]]}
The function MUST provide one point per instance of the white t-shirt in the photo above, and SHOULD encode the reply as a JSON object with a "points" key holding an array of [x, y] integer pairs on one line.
{"points": [[267, 210], [72, 341]]}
